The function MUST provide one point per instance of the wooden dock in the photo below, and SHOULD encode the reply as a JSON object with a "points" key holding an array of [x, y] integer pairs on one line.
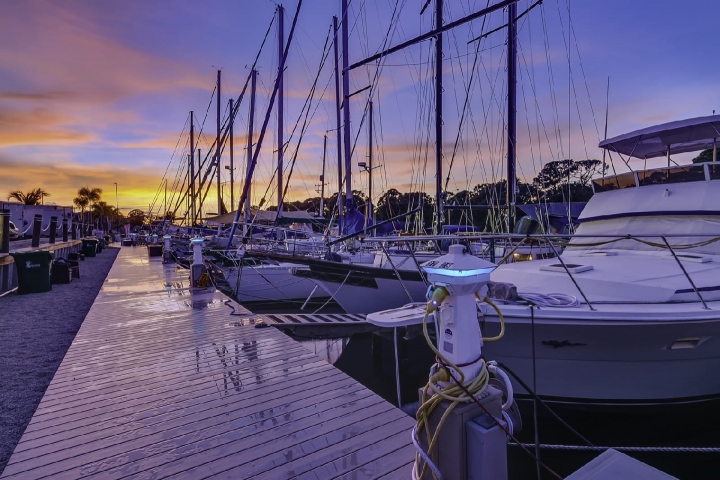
{"points": [[164, 382]]}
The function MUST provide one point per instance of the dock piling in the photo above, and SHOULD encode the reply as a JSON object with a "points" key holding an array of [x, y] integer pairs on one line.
{"points": [[4, 231], [53, 229], [37, 225]]}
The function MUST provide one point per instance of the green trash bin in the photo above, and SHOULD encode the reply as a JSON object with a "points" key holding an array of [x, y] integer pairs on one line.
{"points": [[89, 247], [33, 271]]}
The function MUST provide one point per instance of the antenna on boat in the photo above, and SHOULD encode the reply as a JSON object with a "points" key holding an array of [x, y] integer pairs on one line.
{"points": [[607, 108], [322, 178]]}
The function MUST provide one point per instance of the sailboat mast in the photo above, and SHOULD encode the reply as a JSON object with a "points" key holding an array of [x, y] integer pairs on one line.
{"points": [[339, 125], [512, 113], [193, 215], [346, 105], [370, 213], [281, 49], [232, 159], [248, 180], [322, 179], [198, 211], [217, 148], [438, 114]]}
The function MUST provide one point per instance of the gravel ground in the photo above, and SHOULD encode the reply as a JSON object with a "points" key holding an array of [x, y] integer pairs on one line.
{"points": [[35, 332]]}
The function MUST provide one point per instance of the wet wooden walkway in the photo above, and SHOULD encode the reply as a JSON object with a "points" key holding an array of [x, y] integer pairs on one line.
{"points": [[161, 382]]}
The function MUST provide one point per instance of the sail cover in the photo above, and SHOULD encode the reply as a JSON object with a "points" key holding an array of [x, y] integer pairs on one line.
{"points": [[682, 136]]}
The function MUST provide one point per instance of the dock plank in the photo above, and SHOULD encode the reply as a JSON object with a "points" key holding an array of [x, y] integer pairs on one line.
{"points": [[163, 381]]}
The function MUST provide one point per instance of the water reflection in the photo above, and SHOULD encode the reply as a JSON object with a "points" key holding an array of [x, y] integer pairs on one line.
{"points": [[231, 359]]}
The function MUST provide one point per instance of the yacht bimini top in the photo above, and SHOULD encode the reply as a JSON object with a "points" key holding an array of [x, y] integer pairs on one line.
{"points": [[681, 136]]}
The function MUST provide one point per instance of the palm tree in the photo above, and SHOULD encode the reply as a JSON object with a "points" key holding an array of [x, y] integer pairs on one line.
{"points": [[33, 197], [81, 203], [88, 195], [103, 211]]}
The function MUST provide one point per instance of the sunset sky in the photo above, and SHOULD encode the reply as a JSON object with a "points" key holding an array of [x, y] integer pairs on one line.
{"points": [[94, 93]]}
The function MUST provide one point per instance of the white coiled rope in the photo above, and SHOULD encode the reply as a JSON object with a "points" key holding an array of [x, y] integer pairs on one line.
{"points": [[557, 300]]}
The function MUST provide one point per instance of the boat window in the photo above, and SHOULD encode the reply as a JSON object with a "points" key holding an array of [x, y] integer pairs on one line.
{"points": [[714, 170], [624, 180], [690, 173]]}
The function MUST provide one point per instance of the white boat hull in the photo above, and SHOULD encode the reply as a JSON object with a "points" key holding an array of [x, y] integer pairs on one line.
{"points": [[611, 361], [271, 283]]}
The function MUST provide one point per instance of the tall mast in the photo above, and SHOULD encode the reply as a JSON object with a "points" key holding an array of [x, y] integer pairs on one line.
{"points": [[217, 148], [245, 190], [253, 76], [322, 179], [188, 212], [438, 115], [346, 105], [371, 212], [193, 215], [281, 50], [512, 112], [232, 159], [338, 124], [198, 213]]}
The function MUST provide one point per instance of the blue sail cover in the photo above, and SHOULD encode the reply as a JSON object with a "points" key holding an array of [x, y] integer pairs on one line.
{"points": [[355, 222]]}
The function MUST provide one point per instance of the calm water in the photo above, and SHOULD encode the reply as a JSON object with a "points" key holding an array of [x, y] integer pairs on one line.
{"points": [[692, 426]]}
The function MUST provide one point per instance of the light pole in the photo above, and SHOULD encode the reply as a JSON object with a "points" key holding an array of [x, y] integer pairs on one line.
{"points": [[117, 205]]}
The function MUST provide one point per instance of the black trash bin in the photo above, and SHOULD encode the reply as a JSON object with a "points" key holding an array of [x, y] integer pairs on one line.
{"points": [[33, 271], [89, 247], [61, 271]]}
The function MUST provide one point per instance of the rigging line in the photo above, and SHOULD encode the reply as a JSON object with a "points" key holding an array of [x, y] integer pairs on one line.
{"points": [[487, 111], [551, 85], [527, 121], [308, 102], [180, 167], [538, 2], [587, 88], [393, 21], [465, 105], [538, 110], [172, 156], [308, 99], [456, 57], [317, 105]]}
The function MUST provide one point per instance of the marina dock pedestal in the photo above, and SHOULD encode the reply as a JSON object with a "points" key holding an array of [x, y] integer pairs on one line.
{"points": [[451, 452]]}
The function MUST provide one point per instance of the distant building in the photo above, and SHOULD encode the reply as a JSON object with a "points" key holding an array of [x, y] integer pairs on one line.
{"points": [[22, 215]]}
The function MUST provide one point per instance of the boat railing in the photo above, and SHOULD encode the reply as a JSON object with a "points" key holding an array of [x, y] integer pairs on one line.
{"points": [[515, 241]]}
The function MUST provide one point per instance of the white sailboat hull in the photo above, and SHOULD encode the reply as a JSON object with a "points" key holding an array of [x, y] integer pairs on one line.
{"points": [[271, 283]]}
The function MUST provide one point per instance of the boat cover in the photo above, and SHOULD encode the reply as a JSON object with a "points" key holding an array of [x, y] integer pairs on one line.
{"points": [[691, 135]]}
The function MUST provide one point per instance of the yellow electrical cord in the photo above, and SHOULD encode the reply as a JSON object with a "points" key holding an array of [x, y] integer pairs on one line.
{"points": [[500, 316], [204, 280], [452, 392]]}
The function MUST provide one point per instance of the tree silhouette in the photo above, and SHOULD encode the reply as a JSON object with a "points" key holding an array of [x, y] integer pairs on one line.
{"points": [[33, 197], [705, 156]]}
